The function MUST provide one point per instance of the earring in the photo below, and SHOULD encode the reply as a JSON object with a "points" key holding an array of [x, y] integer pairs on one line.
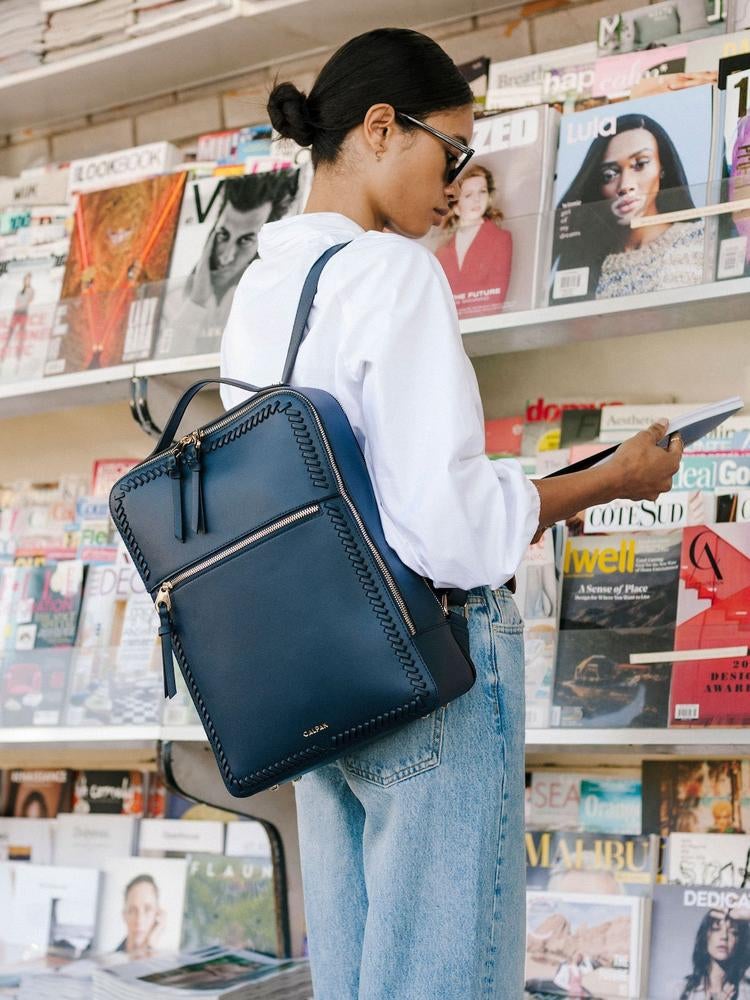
{"points": [[378, 155]]}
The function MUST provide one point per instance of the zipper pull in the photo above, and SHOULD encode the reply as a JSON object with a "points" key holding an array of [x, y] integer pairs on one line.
{"points": [[193, 461], [163, 604], [174, 469]]}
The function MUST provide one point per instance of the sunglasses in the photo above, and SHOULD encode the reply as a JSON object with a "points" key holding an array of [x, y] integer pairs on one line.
{"points": [[467, 152]]}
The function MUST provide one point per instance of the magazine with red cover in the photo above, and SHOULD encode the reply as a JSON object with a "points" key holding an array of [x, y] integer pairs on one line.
{"points": [[714, 589], [119, 254], [710, 692]]}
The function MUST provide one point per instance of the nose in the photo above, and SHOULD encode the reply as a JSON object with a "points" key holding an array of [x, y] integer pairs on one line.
{"points": [[226, 254], [451, 189], [627, 182]]}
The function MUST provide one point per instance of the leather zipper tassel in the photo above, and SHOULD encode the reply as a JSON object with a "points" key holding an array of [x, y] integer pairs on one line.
{"points": [[193, 459], [165, 634], [175, 474]]}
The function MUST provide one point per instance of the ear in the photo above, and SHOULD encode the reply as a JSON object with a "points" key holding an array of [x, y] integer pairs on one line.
{"points": [[378, 127]]}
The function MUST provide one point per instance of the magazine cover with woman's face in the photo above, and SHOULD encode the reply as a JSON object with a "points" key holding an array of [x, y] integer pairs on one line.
{"points": [[141, 907], [489, 243], [619, 164], [700, 943]]}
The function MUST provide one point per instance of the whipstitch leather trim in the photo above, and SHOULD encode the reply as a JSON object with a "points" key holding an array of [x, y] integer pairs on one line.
{"points": [[255, 417], [307, 448], [373, 593], [133, 547]]}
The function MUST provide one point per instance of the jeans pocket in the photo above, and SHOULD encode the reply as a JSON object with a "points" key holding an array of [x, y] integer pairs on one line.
{"points": [[410, 750], [509, 619]]}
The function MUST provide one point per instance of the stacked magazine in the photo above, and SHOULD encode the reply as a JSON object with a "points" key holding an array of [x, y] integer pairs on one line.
{"points": [[212, 973]]}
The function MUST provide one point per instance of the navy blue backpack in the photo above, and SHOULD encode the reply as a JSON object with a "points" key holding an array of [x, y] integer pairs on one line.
{"points": [[299, 631]]}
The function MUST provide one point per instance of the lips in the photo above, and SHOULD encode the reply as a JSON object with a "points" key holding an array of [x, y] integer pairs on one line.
{"points": [[626, 205]]}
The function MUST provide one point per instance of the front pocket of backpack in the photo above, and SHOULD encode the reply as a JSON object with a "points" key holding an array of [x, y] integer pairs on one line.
{"points": [[291, 640]]}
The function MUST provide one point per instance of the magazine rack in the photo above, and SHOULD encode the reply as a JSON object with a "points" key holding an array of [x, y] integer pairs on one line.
{"points": [[190, 769]]}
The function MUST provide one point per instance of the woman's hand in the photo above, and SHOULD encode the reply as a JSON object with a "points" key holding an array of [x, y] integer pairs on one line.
{"points": [[643, 469], [638, 470]]}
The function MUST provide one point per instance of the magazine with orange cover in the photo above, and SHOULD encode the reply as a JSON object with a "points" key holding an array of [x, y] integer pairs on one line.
{"points": [[119, 255]]}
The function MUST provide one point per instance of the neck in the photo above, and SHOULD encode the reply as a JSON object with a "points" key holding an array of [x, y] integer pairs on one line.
{"points": [[716, 978], [328, 194]]}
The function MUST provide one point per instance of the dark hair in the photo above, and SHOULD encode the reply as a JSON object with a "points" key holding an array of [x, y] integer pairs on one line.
{"points": [[35, 798], [395, 66], [588, 214], [144, 879], [249, 192], [734, 967]]}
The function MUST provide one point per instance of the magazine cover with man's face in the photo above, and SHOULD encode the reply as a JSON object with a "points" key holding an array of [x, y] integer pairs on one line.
{"points": [[217, 238], [620, 164], [700, 943]]}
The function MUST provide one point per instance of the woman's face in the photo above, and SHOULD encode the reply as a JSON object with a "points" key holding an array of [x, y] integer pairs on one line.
{"points": [[630, 175], [140, 914], [473, 200], [411, 189], [722, 937]]}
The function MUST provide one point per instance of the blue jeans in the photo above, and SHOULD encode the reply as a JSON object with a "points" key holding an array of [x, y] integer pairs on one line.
{"points": [[412, 847]]}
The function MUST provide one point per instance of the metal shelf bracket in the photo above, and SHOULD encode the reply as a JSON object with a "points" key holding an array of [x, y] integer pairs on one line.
{"points": [[139, 406]]}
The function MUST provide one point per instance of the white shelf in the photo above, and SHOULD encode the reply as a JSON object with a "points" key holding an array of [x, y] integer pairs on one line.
{"points": [[558, 746], [650, 312], [102, 385], [248, 35], [80, 734]]}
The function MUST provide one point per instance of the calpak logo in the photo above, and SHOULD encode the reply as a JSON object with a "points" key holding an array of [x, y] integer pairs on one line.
{"points": [[702, 557]]}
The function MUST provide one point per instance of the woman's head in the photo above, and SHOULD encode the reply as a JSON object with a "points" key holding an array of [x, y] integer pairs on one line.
{"points": [[635, 171], [475, 198], [722, 940], [350, 120], [140, 910]]}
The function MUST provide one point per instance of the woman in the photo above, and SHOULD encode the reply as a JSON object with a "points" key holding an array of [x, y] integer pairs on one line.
{"points": [[721, 956], [629, 175], [569, 976], [477, 258], [412, 847]]}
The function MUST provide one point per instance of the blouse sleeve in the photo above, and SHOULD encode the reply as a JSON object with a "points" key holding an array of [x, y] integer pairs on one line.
{"points": [[448, 513]]}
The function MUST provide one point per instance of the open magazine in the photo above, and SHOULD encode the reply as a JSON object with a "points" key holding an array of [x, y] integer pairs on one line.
{"points": [[691, 426]]}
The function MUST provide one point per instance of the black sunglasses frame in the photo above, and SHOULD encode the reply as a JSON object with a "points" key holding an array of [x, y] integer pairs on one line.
{"points": [[452, 172]]}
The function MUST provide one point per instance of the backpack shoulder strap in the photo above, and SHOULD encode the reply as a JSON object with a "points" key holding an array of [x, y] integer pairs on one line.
{"points": [[309, 289]]}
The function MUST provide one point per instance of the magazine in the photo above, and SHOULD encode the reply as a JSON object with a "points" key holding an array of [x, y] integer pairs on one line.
{"points": [[217, 238], [109, 792], [554, 800], [142, 905], [616, 166], [611, 805], [714, 590], [591, 862], [733, 259], [88, 841], [660, 24], [585, 942], [536, 597], [708, 859], [475, 73], [53, 909], [613, 677], [696, 796], [627, 580], [39, 794], [26, 840], [176, 837], [560, 77], [30, 283], [124, 166], [710, 692], [688, 924], [579, 802], [491, 244], [211, 973], [116, 673], [231, 902], [119, 254]]}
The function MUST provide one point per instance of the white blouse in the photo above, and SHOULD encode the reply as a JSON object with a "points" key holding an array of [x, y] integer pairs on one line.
{"points": [[384, 339]]}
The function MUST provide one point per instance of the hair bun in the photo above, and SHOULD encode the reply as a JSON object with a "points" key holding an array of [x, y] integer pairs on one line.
{"points": [[287, 109]]}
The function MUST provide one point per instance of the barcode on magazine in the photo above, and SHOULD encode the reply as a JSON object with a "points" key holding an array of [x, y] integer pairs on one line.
{"points": [[555, 715], [686, 713], [570, 283], [732, 257]]}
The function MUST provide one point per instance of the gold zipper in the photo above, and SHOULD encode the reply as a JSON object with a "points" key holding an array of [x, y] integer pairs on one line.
{"points": [[385, 572], [164, 595]]}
